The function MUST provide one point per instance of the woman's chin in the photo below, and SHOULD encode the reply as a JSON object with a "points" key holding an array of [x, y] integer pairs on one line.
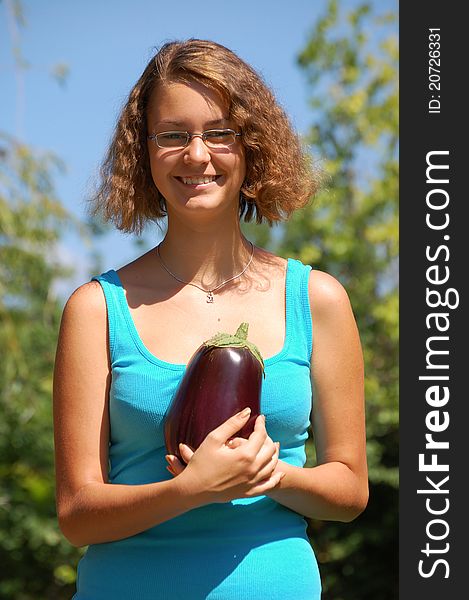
{"points": [[204, 204]]}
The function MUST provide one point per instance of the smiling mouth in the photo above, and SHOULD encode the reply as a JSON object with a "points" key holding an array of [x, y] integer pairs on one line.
{"points": [[200, 180]]}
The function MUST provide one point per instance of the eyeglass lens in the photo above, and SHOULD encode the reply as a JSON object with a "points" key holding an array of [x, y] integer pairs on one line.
{"points": [[216, 138]]}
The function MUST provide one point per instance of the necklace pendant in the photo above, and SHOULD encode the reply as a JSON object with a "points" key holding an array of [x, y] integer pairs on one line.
{"points": [[209, 297]]}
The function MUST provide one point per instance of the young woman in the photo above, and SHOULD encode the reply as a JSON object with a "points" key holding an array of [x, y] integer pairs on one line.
{"points": [[203, 141]]}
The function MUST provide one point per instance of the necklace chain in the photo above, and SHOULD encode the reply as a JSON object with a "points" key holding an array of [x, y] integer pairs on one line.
{"points": [[208, 292]]}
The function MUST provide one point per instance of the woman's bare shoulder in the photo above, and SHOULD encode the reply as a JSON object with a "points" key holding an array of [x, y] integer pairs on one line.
{"points": [[83, 330], [86, 301], [327, 295]]}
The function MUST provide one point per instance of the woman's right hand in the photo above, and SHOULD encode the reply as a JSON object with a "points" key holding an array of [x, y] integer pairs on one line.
{"points": [[220, 473]]}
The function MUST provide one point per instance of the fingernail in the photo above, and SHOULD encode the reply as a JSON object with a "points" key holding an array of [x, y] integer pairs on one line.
{"points": [[168, 459], [278, 445], [245, 412], [282, 475]]}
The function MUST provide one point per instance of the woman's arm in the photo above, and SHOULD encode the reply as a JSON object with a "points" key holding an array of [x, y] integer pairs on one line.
{"points": [[91, 510], [337, 488]]}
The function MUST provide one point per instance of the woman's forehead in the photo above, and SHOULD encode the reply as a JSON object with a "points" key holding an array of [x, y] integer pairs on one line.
{"points": [[176, 102]]}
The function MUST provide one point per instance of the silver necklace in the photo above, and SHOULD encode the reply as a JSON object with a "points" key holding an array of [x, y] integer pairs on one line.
{"points": [[208, 292]]}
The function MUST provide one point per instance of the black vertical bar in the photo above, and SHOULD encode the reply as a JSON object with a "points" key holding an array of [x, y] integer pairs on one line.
{"points": [[434, 238]]}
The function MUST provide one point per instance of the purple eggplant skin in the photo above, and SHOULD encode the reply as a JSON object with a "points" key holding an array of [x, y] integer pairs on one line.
{"points": [[218, 383]]}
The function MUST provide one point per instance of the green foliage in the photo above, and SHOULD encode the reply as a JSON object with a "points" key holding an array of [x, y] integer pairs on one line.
{"points": [[35, 557], [351, 231]]}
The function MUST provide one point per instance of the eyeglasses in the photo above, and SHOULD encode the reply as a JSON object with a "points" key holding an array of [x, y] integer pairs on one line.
{"points": [[213, 138]]}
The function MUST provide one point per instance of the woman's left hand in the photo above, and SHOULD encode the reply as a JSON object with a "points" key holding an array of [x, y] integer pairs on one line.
{"points": [[175, 466]]}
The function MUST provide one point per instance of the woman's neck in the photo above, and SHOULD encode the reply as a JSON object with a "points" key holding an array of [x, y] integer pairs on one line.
{"points": [[206, 257]]}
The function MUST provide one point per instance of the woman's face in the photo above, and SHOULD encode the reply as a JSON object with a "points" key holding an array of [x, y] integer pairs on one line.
{"points": [[194, 108]]}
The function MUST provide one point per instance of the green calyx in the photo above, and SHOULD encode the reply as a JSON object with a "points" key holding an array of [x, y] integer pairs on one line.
{"points": [[238, 340]]}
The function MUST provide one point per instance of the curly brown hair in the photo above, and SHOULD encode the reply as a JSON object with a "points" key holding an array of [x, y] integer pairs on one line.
{"points": [[279, 178]]}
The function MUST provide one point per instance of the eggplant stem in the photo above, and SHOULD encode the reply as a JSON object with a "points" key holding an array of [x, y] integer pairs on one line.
{"points": [[242, 331], [238, 340]]}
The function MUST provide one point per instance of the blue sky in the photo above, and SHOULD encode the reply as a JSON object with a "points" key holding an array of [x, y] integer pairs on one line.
{"points": [[106, 45]]}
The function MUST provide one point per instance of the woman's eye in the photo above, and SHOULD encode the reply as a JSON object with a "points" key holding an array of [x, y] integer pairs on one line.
{"points": [[217, 135], [173, 136]]}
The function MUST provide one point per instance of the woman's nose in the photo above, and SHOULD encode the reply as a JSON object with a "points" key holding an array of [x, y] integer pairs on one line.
{"points": [[196, 151]]}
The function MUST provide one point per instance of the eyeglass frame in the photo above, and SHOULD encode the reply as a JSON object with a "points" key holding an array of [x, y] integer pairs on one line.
{"points": [[154, 138]]}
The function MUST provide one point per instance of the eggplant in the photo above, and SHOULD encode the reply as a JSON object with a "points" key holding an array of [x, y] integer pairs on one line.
{"points": [[223, 376]]}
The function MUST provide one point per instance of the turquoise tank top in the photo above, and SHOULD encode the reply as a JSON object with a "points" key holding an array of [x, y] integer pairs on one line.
{"points": [[246, 549]]}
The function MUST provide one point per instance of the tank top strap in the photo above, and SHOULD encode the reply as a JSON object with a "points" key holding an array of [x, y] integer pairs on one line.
{"points": [[119, 335], [300, 327]]}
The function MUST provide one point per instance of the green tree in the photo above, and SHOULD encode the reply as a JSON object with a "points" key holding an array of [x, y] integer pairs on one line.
{"points": [[351, 231], [36, 560]]}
